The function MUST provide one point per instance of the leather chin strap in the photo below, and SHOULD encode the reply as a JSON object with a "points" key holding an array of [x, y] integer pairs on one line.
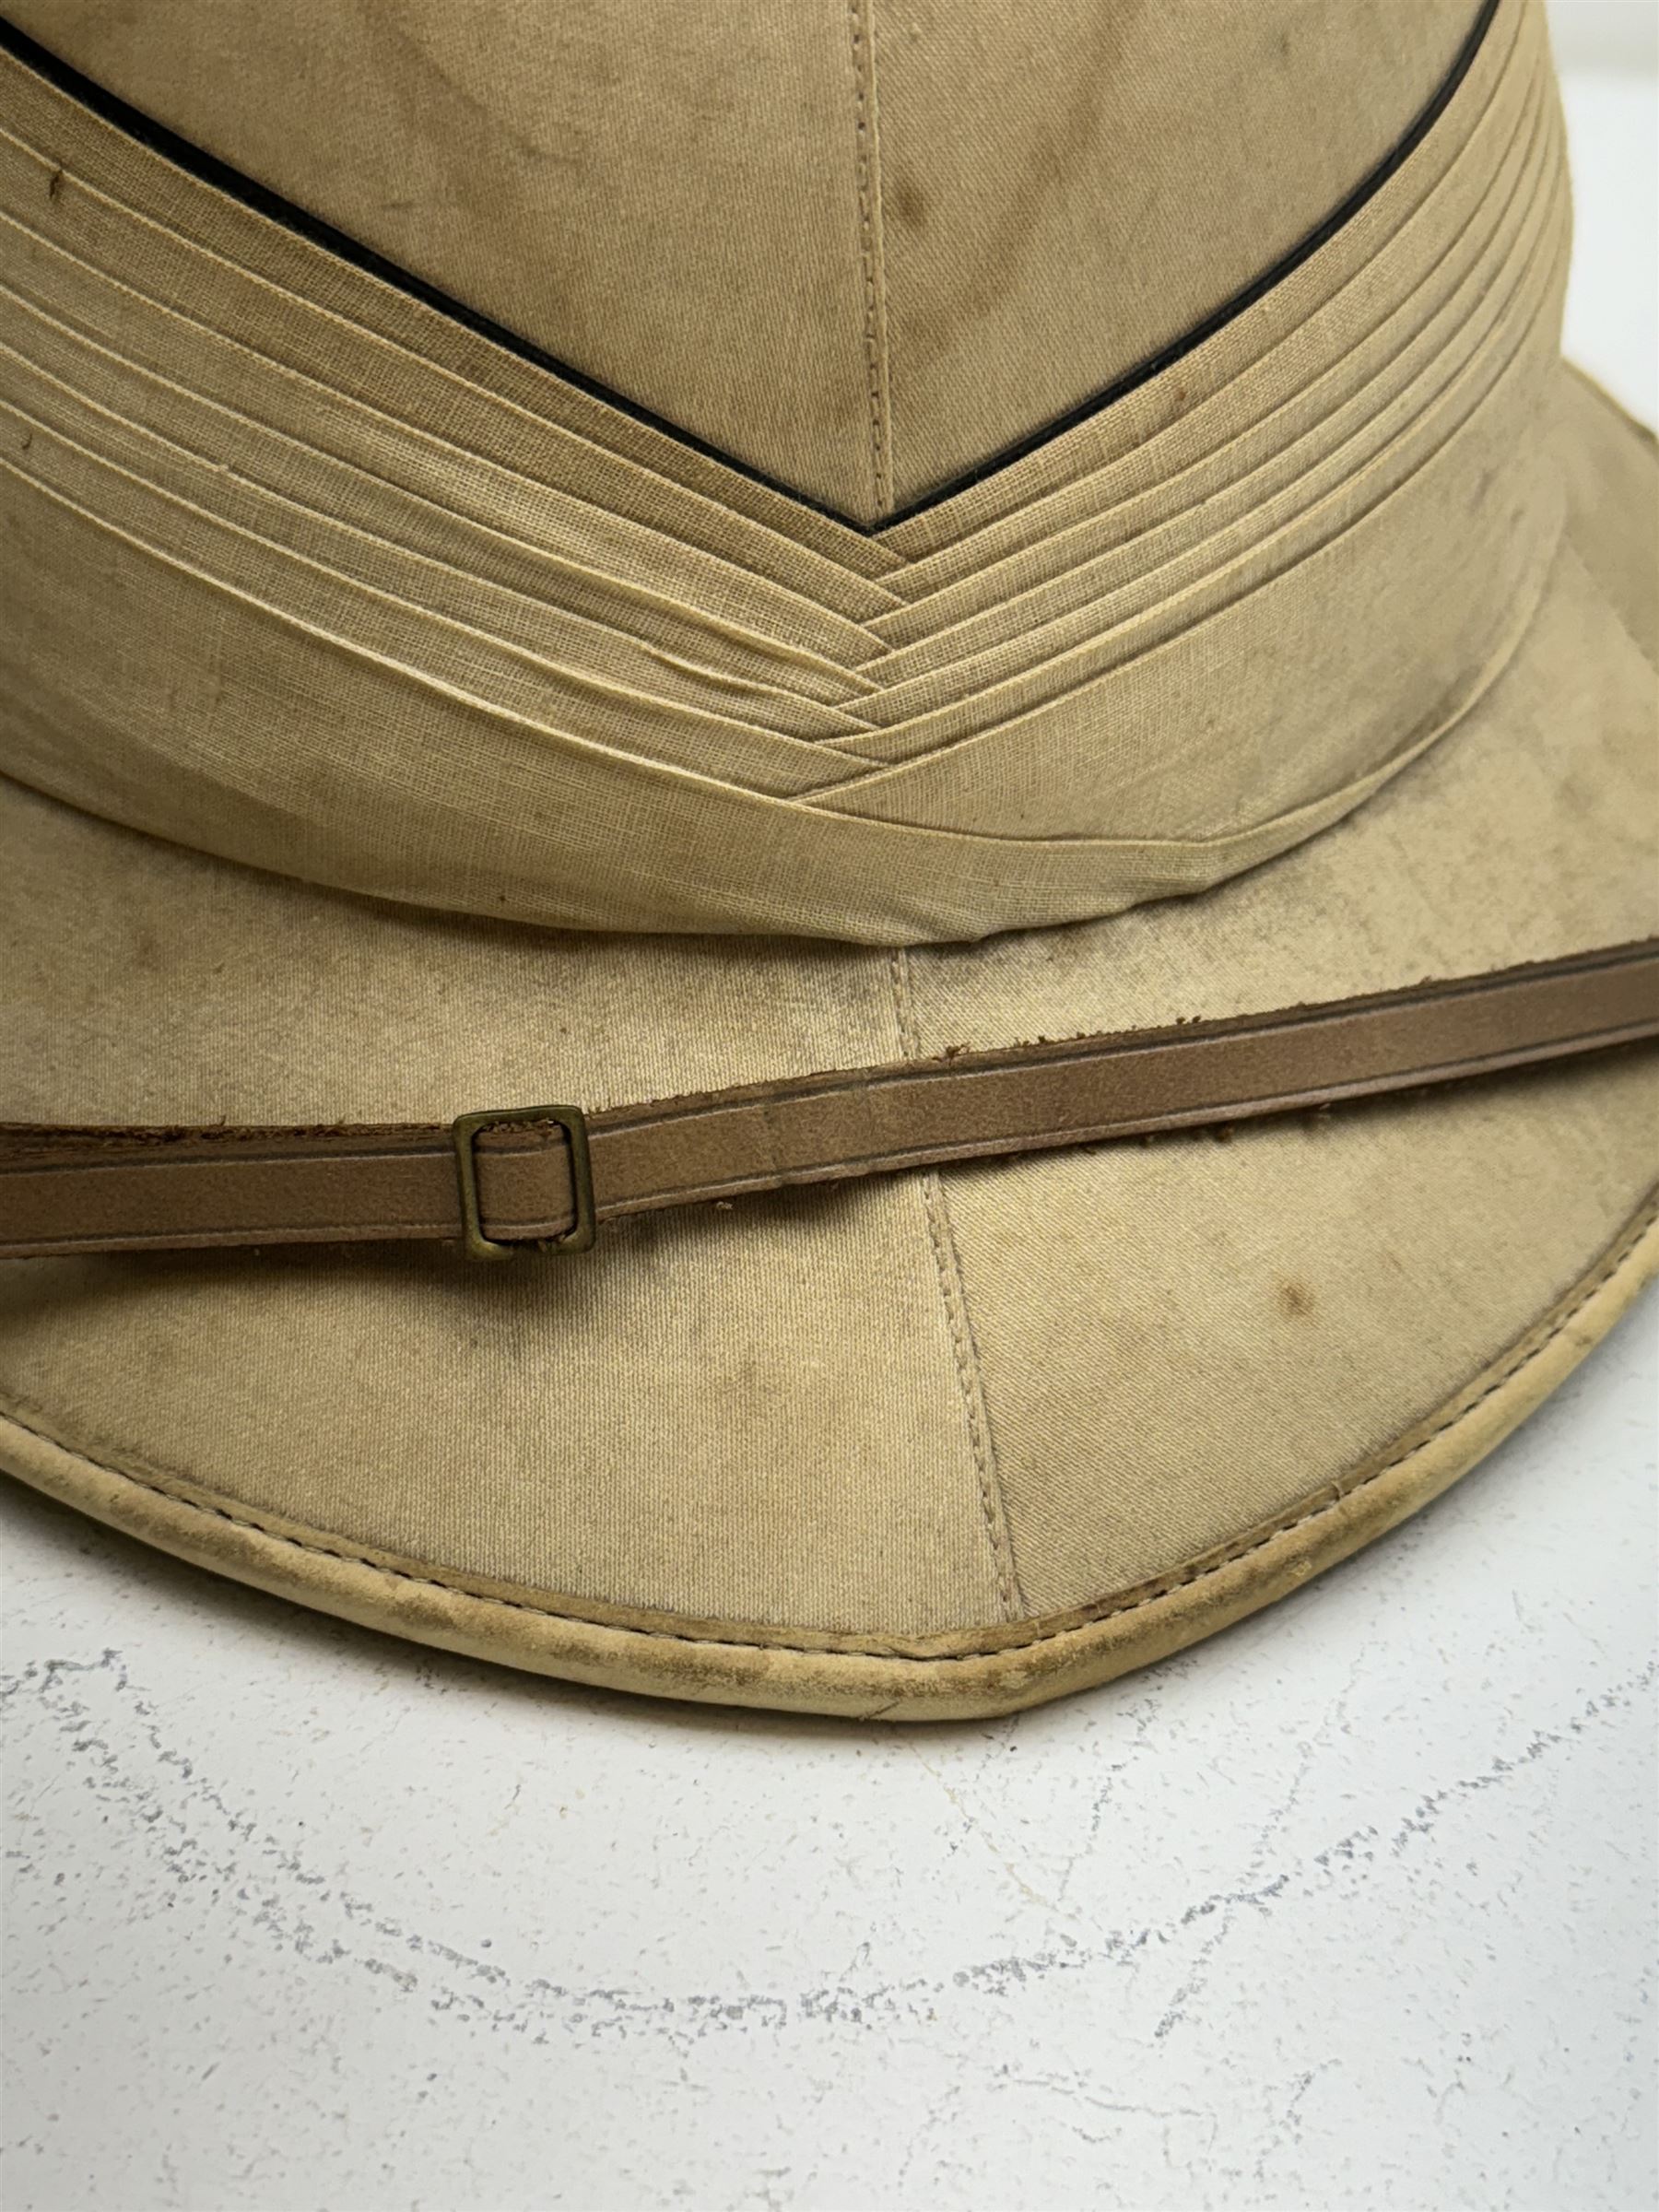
{"points": [[508, 1182]]}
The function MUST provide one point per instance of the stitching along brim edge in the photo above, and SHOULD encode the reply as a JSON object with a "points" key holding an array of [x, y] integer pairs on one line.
{"points": [[1029, 1663]]}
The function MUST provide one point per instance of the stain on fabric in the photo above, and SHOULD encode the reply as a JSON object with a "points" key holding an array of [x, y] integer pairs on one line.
{"points": [[909, 205]]}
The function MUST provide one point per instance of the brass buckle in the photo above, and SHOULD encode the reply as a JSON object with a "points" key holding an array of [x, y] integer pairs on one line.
{"points": [[573, 1122]]}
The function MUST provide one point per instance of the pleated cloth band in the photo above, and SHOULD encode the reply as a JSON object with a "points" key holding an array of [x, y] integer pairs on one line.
{"points": [[385, 608]]}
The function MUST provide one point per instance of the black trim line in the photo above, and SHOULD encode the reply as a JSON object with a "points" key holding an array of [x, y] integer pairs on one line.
{"points": [[212, 171]]}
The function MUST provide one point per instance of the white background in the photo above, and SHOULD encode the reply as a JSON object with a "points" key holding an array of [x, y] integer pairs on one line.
{"points": [[1352, 1906]]}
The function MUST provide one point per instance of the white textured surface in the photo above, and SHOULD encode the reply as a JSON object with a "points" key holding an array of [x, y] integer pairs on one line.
{"points": [[1352, 1906], [1613, 300], [1349, 1906]]}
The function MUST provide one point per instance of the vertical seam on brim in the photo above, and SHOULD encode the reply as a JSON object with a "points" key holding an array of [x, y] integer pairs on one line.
{"points": [[1328, 1499], [958, 1322]]}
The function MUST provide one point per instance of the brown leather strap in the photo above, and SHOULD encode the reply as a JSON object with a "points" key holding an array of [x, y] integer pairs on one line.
{"points": [[132, 1190]]}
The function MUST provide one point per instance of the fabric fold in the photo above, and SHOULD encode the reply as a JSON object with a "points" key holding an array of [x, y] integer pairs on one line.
{"points": [[1171, 642]]}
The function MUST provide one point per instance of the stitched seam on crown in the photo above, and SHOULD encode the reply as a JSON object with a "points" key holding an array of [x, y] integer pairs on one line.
{"points": [[1167, 1585], [953, 1293], [862, 19]]}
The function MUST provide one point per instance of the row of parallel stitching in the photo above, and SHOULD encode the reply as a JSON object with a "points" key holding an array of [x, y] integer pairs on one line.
{"points": [[1500, 299], [1279, 383], [634, 611], [1516, 39], [1167, 866], [564, 707], [1115, 440], [755, 784], [1136, 864], [1327, 372], [1263, 546], [1025, 728], [1218, 591], [214, 477], [702, 738], [711, 733], [663, 652], [280, 335], [109, 166], [1042, 633], [326, 266], [121, 420]]}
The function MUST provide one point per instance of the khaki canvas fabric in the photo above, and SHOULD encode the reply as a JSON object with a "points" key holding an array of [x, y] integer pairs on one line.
{"points": [[917, 243], [1095, 713], [394, 729]]}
